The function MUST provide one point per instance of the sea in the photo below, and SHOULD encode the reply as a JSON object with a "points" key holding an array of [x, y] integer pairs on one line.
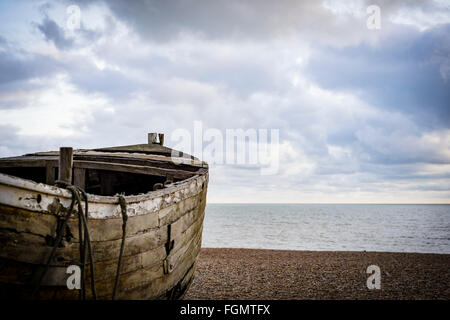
{"points": [[329, 227]]}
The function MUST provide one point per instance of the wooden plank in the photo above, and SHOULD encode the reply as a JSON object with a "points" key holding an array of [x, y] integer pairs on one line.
{"points": [[149, 148], [147, 170], [161, 138], [172, 213], [191, 239], [186, 282], [79, 177], [132, 280], [49, 174], [65, 164], [31, 196], [23, 162], [151, 282], [107, 180], [136, 159], [181, 172], [152, 138], [106, 258], [149, 259], [14, 272], [89, 154], [22, 273], [159, 286], [32, 248], [22, 220]]}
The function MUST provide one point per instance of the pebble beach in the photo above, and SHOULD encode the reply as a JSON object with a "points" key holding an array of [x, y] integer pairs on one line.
{"points": [[280, 274]]}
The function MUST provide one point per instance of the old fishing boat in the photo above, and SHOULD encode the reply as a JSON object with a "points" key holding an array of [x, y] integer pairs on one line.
{"points": [[121, 222]]}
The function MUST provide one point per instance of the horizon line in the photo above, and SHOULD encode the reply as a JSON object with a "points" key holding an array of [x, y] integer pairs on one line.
{"points": [[382, 203]]}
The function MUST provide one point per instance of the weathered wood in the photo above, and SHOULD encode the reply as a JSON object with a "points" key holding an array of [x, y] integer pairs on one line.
{"points": [[142, 160], [30, 213], [144, 278], [107, 180], [129, 281], [161, 138], [18, 246], [24, 194], [159, 286], [119, 158], [24, 221], [65, 164], [152, 138], [79, 177], [21, 162], [186, 282], [147, 170], [131, 265], [15, 272], [151, 282], [100, 230], [49, 174]]}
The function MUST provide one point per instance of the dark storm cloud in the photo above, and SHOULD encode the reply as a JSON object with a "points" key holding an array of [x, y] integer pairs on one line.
{"points": [[164, 20], [54, 33], [17, 68], [405, 75], [17, 64], [262, 20], [114, 84], [14, 68]]}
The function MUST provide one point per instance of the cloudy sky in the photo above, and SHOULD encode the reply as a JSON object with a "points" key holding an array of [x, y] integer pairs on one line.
{"points": [[363, 114]]}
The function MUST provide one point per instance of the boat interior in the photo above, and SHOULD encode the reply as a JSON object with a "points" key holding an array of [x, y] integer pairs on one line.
{"points": [[104, 173]]}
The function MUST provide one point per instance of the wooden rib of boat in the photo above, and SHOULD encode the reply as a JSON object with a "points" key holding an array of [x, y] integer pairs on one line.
{"points": [[163, 230]]}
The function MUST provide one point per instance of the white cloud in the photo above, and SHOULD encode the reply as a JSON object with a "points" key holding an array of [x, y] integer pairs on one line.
{"points": [[58, 110], [419, 19]]}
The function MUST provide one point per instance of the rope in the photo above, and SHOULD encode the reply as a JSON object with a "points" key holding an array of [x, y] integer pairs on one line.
{"points": [[88, 243], [84, 241], [59, 235], [123, 207], [75, 194]]}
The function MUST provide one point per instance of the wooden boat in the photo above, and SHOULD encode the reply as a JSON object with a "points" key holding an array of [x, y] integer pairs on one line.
{"points": [[164, 202]]}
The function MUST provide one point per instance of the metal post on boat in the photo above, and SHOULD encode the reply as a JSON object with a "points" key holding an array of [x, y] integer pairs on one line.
{"points": [[65, 164], [161, 138]]}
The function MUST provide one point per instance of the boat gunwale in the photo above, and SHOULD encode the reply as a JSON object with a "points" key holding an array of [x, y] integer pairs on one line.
{"points": [[187, 161], [22, 183]]}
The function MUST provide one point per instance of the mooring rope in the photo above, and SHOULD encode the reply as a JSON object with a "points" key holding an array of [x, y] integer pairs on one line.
{"points": [[87, 239], [123, 208], [84, 240], [59, 236], [82, 224]]}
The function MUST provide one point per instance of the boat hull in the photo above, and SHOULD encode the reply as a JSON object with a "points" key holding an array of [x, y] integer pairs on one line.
{"points": [[164, 233]]}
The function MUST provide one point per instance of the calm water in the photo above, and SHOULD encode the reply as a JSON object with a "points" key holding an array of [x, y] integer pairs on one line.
{"points": [[396, 228]]}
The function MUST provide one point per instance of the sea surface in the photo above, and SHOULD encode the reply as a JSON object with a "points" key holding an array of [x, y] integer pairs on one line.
{"points": [[330, 227]]}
